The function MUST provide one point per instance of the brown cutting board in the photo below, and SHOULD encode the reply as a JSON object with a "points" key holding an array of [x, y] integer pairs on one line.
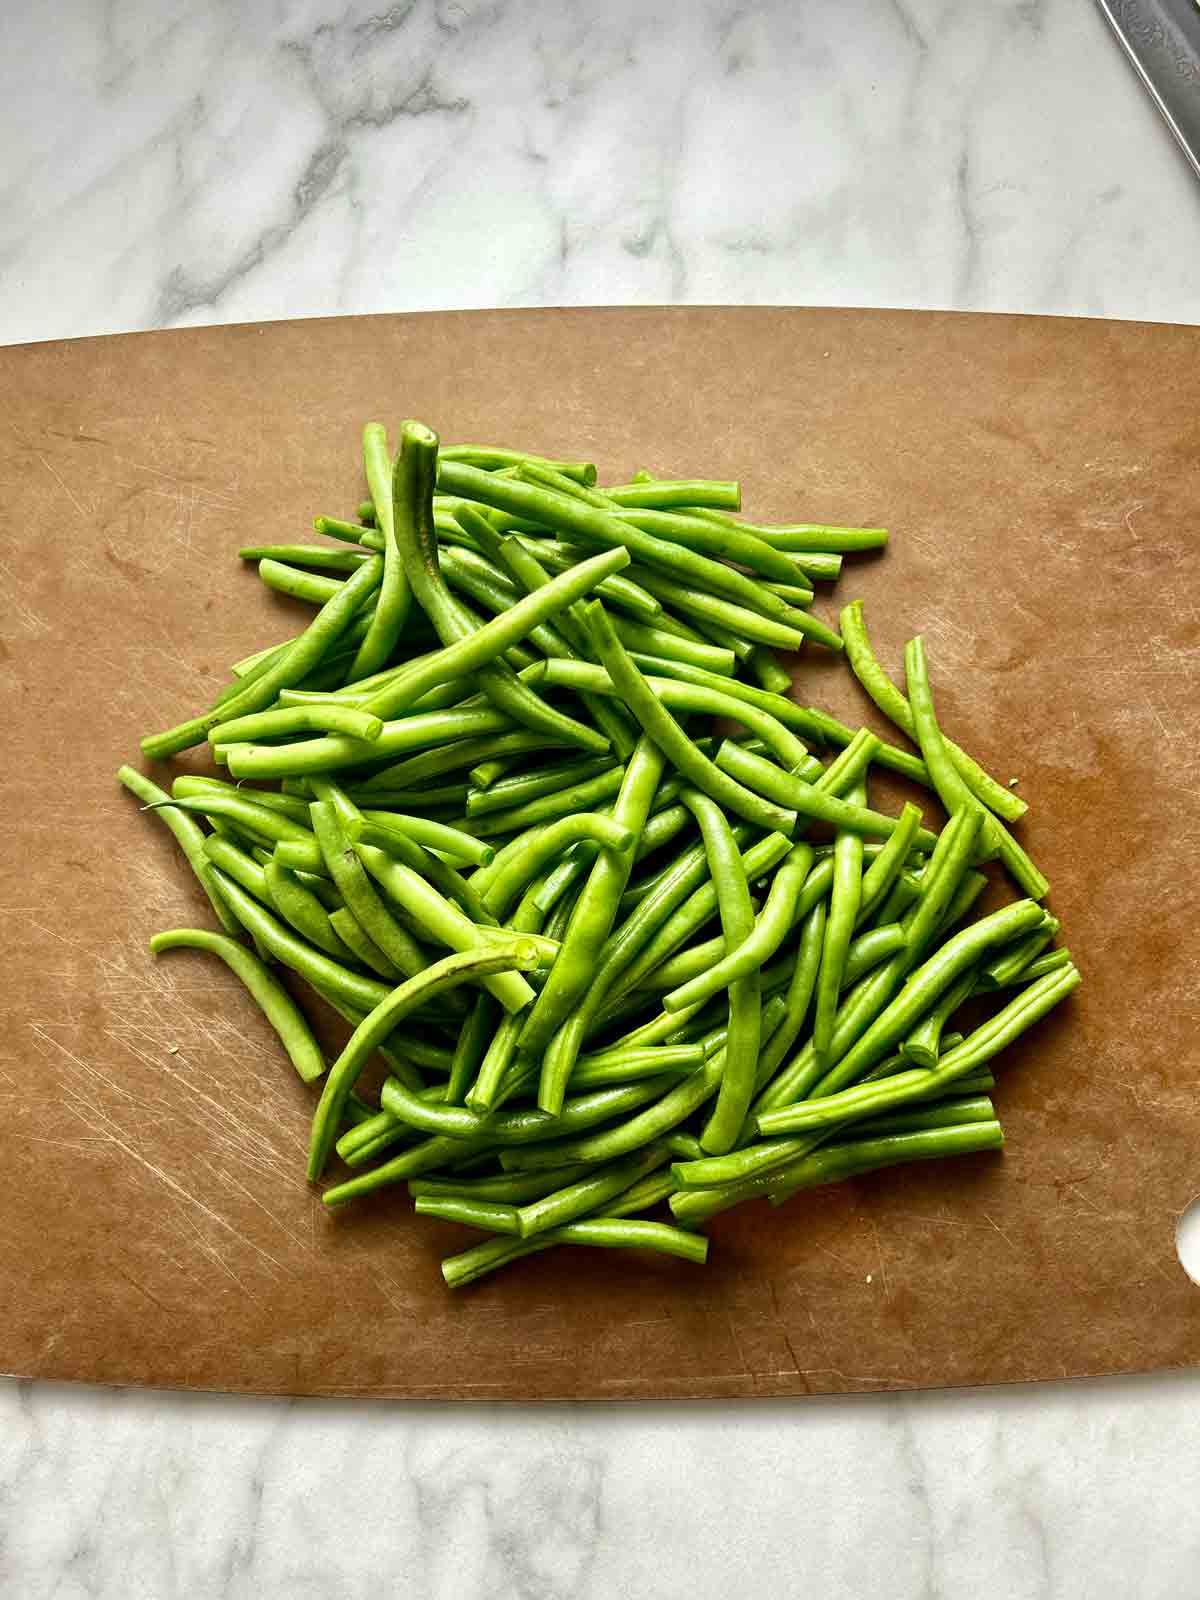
{"points": [[1042, 482]]}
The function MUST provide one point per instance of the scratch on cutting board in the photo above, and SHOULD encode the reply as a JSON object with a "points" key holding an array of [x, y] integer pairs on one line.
{"points": [[116, 1135], [65, 487]]}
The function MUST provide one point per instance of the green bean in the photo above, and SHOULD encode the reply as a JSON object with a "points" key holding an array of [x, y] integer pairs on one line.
{"points": [[324, 718], [664, 493], [536, 852], [594, 526], [837, 1162], [620, 591], [298, 905], [467, 651], [470, 1265], [736, 912], [592, 918], [867, 950], [310, 555], [642, 698], [812, 801], [363, 532], [870, 996], [277, 1005], [311, 964], [490, 1215], [799, 992], [549, 808], [887, 755], [923, 988], [418, 769], [844, 900], [241, 867], [921, 1045], [889, 863], [299, 659], [354, 886], [786, 629], [1008, 966], [492, 457], [311, 587], [1052, 961], [693, 913], [511, 1188], [771, 928], [363, 948], [261, 822], [187, 785], [869, 672], [800, 537], [586, 1194], [953, 1113], [622, 1066], [773, 678], [902, 1088], [461, 967], [395, 595], [525, 786], [441, 919], [952, 789], [386, 829], [334, 751], [643, 639], [683, 695], [899, 898], [725, 539], [190, 838]]}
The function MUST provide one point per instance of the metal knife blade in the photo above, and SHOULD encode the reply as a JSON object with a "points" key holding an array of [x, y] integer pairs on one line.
{"points": [[1162, 39]]}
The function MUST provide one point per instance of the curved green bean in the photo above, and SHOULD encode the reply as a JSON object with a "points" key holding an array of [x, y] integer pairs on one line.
{"points": [[190, 838], [334, 751], [453, 970], [301, 656], [870, 673], [771, 927], [280, 1010], [845, 897]]}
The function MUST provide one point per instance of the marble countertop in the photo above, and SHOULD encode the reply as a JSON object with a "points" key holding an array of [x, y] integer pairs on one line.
{"points": [[167, 162]]}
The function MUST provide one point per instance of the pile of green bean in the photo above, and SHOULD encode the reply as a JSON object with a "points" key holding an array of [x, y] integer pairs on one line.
{"points": [[481, 807]]}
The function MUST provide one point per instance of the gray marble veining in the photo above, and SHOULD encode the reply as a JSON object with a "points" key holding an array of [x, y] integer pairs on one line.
{"points": [[188, 161]]}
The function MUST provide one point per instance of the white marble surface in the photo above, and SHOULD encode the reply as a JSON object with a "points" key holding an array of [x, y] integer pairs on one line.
{"points": [[196, 161]]}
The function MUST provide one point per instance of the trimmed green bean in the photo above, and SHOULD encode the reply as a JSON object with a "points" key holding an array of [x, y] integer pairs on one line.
{"points": [[845, 897], [736, 912], [280, 1010], [190, 837], [813, 801], [870, 673], [301, 656]]}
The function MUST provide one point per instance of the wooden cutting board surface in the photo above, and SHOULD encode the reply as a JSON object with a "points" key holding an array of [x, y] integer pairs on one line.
{"points": [[1041, 479]]}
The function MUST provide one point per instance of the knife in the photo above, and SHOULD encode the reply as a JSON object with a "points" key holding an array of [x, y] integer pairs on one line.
{"points": [[1162, 39]]}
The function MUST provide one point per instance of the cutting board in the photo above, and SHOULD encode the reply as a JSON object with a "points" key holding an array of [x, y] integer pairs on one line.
{"points": [[1041, 479]]}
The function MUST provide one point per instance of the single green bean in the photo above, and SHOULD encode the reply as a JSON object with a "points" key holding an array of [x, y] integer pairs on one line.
{"points": [[889, 863], [800, 537], [305, 555], [844, 900], [772, 926], [922, 1044], [591, 1193], [297, 904], [280, 1010], [327, 717], [241, 867], [395, 595], [364, 949], [663, 493], [334, 751], [525, 786], [810, 800], [453, 970], [261, 822], [190, 837], [298, 660], [736, 912], [786, 629]]}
